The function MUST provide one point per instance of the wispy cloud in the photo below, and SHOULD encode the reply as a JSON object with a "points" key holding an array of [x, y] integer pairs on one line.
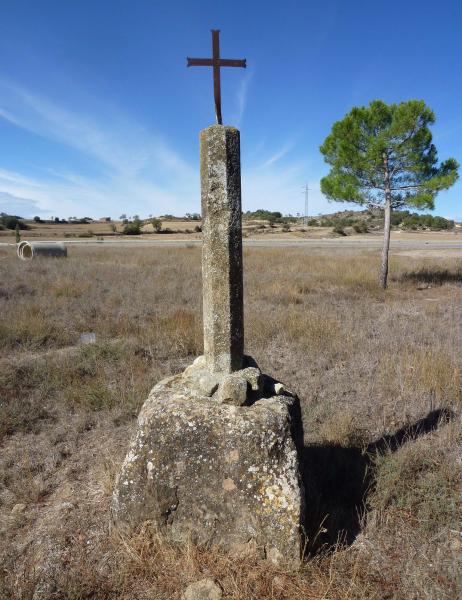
{"points": [[241, 97], [114, 139], [133, 166], [14, 205], [279, 154]]}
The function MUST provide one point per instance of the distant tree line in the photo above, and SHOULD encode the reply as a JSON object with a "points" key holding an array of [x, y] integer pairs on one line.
{"points": [[363, 221], [12, 222], [272, 217], [408, 220]]}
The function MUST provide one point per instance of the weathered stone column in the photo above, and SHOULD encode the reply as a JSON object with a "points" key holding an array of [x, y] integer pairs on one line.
{"points": [[215, 455], [222, 280]]}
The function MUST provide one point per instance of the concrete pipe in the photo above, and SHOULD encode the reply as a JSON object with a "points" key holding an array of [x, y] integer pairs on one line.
{"points": [[19, 248], [30, 250]]}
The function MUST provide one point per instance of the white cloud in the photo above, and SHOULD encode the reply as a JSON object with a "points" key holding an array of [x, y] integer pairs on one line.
{"points": [[15, 205]]}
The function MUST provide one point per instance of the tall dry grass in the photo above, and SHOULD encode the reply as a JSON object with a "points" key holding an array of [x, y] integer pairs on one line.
{"points": [[378, 374]]}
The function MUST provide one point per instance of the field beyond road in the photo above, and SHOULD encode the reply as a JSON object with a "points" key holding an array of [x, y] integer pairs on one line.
{"points": [[188, 231], [378, 375]]}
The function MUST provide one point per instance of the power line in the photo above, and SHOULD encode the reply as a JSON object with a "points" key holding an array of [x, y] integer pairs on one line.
{"points": [[306, 189]]}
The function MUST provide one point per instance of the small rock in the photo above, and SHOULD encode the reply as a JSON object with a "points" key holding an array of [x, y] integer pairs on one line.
{"points": [[201, 380], [205, 589], [279, 389], [253, 376], [18, 509], [65, 506], [88, 338], [198, 364], [232, 390]]}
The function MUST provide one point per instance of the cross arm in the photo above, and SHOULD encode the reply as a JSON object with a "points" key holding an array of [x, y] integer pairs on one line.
{"points": [[222, 62], [231, 62], [199, 62]]}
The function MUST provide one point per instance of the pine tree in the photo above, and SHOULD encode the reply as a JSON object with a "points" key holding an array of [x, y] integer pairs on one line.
{"points": [[383, 156]]}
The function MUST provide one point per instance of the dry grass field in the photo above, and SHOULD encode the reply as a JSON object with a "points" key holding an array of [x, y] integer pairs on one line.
{"points": [[186, 230], [380, 381], [60, 231]]}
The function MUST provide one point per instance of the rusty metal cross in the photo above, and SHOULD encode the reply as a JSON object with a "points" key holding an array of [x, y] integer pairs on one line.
{"points": [[216, 62]]}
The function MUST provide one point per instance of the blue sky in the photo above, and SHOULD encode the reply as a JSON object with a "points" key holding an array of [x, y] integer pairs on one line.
{"points": [[99, 115]]}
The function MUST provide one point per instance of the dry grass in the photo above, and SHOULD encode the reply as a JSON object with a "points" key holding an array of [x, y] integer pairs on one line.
{"points": [[50, 231], [378, 374]]}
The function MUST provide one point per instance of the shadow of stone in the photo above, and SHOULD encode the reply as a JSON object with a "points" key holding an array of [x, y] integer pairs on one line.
{"points": [[432, 276], [337, 481]]}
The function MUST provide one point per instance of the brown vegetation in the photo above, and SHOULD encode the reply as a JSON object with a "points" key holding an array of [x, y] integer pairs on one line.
{"points": [[378, 374]]}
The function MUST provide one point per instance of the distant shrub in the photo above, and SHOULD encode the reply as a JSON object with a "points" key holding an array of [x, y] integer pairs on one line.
{"points": [[197, 228], [156, 224], [264, 215], [132, 227], [360, 227], [338, 229]]}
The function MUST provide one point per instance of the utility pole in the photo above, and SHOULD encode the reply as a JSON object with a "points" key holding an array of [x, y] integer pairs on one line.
{"points": [[306, 189]]}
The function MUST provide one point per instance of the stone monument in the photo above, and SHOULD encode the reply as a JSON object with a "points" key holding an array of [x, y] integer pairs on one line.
{"points": [[215, 456]]}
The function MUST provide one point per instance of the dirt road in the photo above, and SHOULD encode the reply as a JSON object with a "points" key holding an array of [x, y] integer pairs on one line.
{"points": [[271, 242]]}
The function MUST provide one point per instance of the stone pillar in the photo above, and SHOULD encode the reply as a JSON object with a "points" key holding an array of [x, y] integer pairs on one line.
{"points": [[222, 281]]}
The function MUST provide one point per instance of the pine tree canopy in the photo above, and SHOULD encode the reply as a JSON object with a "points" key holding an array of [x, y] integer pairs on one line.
{"points": [[386, 144]]}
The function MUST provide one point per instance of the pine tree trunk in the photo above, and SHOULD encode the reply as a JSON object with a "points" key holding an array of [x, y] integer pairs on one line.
{"points": [[386, 246], [386, 227]]}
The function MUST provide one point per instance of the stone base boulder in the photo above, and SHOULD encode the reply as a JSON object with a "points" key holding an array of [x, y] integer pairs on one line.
{"points": [[204, 469]]}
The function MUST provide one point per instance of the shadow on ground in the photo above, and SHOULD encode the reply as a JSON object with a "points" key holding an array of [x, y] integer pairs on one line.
{"points": [[337, 480], [432, 276]]}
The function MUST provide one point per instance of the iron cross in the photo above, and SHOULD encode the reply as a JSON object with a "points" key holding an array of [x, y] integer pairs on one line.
{"points": [[216, 62]]}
